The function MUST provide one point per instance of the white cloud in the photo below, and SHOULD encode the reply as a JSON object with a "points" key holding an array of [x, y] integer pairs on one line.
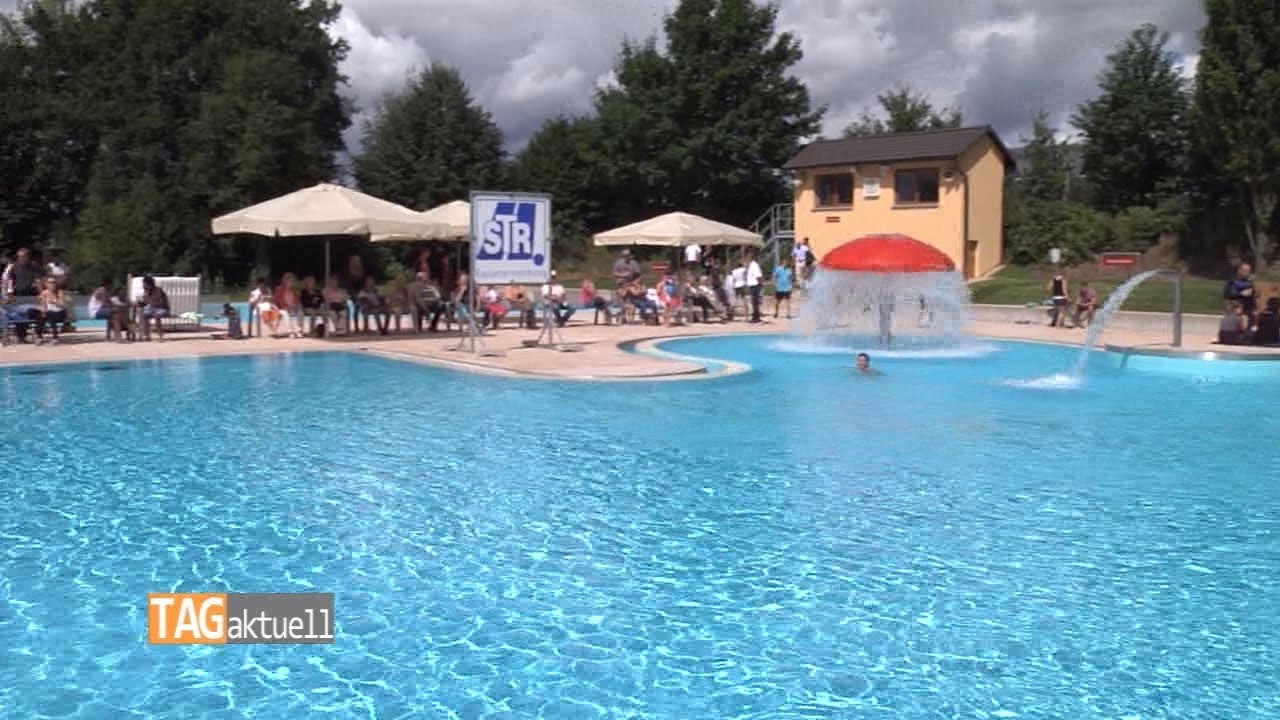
{"points": [[1189, 65], [376, 64]]}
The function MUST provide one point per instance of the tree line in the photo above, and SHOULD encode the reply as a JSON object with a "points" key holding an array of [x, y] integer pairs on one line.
{"points": [[125, 125]]}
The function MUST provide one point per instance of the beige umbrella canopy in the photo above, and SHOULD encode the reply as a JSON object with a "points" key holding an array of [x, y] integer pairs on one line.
{"points": [[451, 221], [678, 229], [324, 209]]}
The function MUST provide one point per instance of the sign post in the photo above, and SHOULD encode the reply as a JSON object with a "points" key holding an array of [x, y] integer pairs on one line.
{"points": [[1120, 259], [510, 243]]}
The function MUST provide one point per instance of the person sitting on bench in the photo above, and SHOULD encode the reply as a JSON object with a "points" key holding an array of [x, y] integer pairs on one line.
{"points": [[553, 295], [702, 296], [592, 299], [154, 305], [53, 310], [1233, 328], [1268, 330], [372, 302], [427, 303], [335, 304], [1086, 305], [518, 301]]}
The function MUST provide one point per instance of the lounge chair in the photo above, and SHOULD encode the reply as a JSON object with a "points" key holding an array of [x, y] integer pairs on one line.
{"points": [[184, 299]]}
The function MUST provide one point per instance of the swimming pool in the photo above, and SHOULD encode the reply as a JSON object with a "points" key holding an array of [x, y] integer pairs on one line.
{"points": [[793, 542]]}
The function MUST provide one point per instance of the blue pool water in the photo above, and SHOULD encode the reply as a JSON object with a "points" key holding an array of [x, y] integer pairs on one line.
{"points": [[794, 542]]}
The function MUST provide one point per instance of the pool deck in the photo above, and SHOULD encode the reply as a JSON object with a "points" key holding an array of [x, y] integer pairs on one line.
{"points": [[599, 355]]}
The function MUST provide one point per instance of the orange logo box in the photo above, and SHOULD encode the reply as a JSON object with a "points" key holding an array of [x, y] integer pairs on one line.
{"points": [[187, 618]]}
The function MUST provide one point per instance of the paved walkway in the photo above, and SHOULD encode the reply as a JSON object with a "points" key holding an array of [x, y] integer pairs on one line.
{"points": [[597, 353], [1159, 342]]}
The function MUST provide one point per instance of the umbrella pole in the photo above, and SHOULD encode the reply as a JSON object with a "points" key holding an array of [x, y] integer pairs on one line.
{"points": [[326, 261], [680, 272]]}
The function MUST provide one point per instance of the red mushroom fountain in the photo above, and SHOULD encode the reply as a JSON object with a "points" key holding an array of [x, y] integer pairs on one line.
{"points": [[887, 254], [862, 287]]}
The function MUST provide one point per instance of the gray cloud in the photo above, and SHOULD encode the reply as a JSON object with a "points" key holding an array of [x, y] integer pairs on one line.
{"points": [[1000, 60]]}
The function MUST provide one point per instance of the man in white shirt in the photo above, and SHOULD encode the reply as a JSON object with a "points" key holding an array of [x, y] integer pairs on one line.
{"points": [[739, 279], [755, 286], [800, 259], [692, 256], [553, 295]]}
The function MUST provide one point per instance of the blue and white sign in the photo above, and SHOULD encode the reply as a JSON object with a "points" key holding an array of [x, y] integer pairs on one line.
{"points": [[510, 238]]}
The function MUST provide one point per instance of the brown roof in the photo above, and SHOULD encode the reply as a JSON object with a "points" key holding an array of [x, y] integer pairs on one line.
{"points": [[923, 145]]}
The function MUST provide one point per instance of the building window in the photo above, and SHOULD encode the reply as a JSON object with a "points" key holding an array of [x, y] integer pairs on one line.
{"points": [[916, 187], [834, 191]]}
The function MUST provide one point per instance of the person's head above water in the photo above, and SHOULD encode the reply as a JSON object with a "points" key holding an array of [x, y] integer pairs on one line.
{"points": [[864, 361]]}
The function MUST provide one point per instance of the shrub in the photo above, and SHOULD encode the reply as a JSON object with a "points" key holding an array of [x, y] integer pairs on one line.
{"points": [[1134, 229], [1037, 226]]}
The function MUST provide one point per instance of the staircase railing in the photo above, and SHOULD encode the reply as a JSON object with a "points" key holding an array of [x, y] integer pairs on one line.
{"points": [[778, 226]]}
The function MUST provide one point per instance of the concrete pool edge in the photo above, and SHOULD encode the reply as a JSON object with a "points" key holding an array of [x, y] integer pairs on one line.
{"points": [[642, 358], [514, 374], [1201, 355], [711, 367]]}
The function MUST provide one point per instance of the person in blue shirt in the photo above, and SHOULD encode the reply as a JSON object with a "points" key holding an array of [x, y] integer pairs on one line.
{"points": [[1240, 289], [782, 279]]}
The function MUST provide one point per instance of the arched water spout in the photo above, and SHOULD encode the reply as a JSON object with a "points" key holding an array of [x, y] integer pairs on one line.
{"points": [[1117, 298]]}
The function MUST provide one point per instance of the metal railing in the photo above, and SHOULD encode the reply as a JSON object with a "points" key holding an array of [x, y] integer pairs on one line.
{"points": [[1176, 277], [776, 225]]}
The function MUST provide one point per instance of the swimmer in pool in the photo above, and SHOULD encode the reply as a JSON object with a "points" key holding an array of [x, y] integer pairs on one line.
{"points": [[864, 365]]}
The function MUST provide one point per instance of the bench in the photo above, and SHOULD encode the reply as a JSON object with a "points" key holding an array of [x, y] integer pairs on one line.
{"points": [[184, 299]]}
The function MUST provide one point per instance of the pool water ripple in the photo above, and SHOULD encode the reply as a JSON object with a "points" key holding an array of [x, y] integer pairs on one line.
{"points": [[792, 542]]}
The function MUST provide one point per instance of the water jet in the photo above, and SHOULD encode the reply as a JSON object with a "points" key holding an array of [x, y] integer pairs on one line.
{"points": [[886, 291]]}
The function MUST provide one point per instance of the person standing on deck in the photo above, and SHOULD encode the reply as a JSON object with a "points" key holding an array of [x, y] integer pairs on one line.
{"points": [[692, 256], [782, 283], [755, 286], [625, 270], [1059, 294], [799, 258]]}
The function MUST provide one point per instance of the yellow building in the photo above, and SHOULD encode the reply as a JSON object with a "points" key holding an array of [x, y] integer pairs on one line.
{"points": [[944, 187]]}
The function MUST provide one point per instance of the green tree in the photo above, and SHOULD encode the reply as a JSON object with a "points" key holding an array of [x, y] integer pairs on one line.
{"points": [[1045, 164], [430, 143], [206, 105], [704, 125], [559, 159], [1236, 116], [1135, 140], [905, 110], [47, 137]]}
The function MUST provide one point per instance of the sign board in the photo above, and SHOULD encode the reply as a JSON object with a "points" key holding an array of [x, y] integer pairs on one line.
{"points": [[510, 238], [870, 187], [1055, 255], [1120, 259]]}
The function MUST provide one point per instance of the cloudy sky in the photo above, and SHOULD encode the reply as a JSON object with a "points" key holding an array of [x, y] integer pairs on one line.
{"points": [[1000, 60]]}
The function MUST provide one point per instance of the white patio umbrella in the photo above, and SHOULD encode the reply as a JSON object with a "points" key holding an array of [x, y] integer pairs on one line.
{"points": [[678, 229], [451, 221], [324, 209]]}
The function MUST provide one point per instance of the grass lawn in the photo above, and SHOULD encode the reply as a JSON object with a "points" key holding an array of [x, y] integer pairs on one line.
{"points": [[1021, 285]]}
